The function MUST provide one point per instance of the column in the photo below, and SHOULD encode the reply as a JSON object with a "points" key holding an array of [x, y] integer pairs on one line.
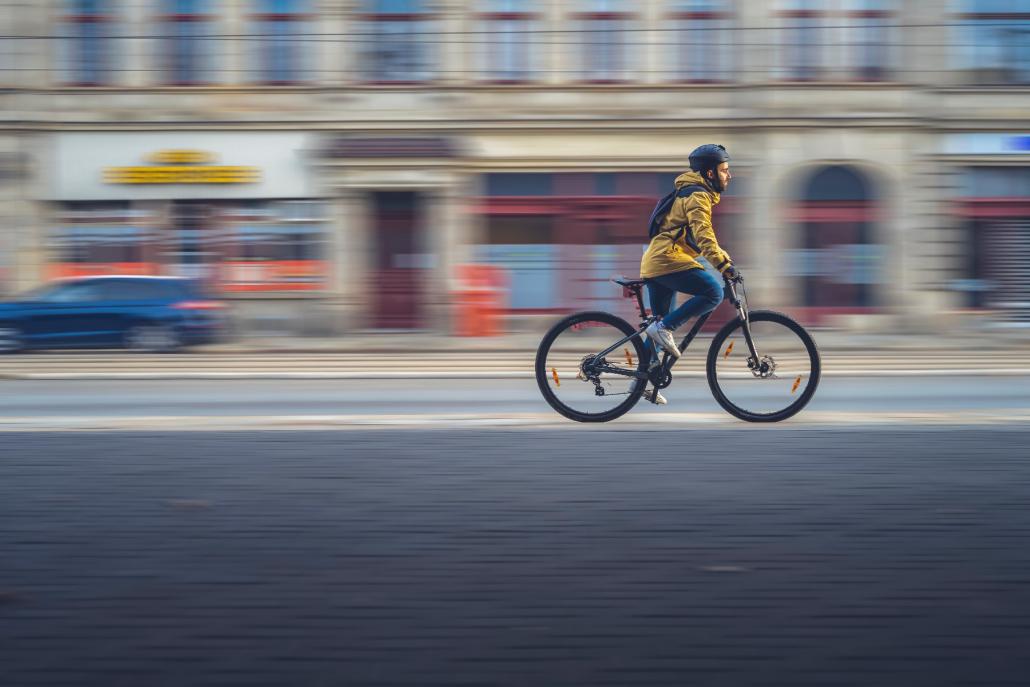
{"points": [[657, 46], [332, 57], [561, 47], [352, 255], [449, 48], [235, 61], [137, 19]]}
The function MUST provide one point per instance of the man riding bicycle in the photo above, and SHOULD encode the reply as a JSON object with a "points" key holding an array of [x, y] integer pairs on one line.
{"points": [[670, 263]]}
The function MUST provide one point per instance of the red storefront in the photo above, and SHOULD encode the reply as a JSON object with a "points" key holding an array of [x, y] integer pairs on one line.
{"points": [[562, 235]]}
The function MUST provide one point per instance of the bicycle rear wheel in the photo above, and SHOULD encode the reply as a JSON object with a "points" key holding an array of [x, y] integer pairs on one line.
{"points": [[776, 386], [579, 384]]}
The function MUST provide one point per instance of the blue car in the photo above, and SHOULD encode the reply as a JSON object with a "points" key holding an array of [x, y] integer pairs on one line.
{"points": [[144, 313]]}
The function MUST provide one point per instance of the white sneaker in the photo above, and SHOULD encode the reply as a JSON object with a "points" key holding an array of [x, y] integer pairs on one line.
{"points": [[663, 337], [655, 396]]}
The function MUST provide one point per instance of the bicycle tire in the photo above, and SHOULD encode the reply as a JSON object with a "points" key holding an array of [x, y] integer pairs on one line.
{"points": [[541, 365], [792, 409]]}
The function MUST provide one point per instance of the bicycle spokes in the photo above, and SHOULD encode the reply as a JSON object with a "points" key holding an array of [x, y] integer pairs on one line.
{"points": [[584, 381], [769, 378]]}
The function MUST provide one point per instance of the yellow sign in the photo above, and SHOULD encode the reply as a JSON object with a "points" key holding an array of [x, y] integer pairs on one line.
{"points": [[181, 157], [182, 167]]}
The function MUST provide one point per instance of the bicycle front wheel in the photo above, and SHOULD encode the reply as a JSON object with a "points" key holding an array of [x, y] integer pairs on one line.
{"points": [[775, 386], [580, 383]]}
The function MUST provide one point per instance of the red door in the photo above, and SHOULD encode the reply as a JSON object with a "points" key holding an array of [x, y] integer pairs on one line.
{"points": [[398, 276]]}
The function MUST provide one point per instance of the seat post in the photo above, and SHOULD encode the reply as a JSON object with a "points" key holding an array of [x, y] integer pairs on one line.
{"points": [[640, 302]]}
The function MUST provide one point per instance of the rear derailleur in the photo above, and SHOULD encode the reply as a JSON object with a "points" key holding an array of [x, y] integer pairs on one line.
{"points": [[588, 373]]}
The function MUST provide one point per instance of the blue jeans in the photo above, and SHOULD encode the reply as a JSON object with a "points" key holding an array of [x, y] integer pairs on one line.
{"points": [[707, 292]]}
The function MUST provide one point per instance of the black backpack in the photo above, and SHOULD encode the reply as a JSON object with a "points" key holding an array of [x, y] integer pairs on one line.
{"points": [[665, 204]]}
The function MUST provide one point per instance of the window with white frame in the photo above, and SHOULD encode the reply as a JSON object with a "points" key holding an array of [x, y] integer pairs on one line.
{"points": [[995, 41], [283, 28], [508, 39], [605, 28], [803, 37], [869, 24], [190, 44], [703, 43], [836, 39], [397, 43], [85, 49]]}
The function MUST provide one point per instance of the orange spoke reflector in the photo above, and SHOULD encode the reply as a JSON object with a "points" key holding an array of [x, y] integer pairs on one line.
{"points": [[728, 351], [629, 357], [554, 373], [796, 383]]}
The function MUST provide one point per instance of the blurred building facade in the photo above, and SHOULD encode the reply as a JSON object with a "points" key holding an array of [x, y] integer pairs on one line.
{"points": [[330, 164]]}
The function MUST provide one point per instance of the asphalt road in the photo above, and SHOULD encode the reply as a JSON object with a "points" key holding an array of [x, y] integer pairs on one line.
{"points": [[777, 556]]}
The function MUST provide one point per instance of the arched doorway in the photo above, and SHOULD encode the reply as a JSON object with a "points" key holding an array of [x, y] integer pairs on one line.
{"points": [[840, 257]]}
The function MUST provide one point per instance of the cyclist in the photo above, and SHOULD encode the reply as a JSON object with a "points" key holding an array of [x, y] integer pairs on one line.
{"points": [[670, 263]]}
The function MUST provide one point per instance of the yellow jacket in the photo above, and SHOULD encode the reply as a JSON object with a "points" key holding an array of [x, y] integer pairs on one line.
{"points": [[675, 247]]}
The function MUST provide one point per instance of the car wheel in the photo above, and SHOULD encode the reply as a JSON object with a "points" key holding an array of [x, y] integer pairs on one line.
{"points": [[152, 338], [10, 339]]}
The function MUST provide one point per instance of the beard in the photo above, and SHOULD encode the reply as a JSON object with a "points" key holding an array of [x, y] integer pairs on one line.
{"points": [[716, 183]]}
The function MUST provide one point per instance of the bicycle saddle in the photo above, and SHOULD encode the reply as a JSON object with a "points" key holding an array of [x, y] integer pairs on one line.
{"points": [[628, 282]]}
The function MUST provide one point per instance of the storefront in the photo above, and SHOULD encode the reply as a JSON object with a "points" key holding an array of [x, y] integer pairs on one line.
{"points": [[561, 236], [237, 211], [993, 204]]}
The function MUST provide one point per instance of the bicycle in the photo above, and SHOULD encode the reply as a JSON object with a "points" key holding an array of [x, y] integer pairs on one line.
{"points": [[583, 374]]}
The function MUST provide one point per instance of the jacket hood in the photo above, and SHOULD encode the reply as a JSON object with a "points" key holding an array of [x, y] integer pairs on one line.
{"points": [[688, 178]]}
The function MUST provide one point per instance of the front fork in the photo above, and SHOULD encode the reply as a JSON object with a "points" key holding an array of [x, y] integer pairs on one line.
{"points": [[740, 303]]}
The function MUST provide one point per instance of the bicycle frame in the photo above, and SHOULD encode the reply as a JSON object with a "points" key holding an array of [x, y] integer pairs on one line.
{"points": [[739, 302]]}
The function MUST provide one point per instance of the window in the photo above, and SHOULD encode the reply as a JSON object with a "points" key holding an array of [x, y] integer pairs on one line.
{"points": [[190, 41], [604, 25], [703, 44], [85, 49], [135, 290], [508, 39], [79, 292], [282, 46], [868, 23], [396, 43], [803, 39], [274, 245], [995, 41], [93, 237], [842, 39]]}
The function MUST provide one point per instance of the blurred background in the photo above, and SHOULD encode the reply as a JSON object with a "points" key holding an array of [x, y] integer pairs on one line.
{"points": [[332, 167]]}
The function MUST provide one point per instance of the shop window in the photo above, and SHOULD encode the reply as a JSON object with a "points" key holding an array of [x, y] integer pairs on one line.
{"points": [[273, 246], [515, 230], [190, 42], [994, 41], [509, 39], [514, 184], [283, 46], [85, 48], [604, 27], [398, 41], [703, 42], [102, 238], [839, 260], [995, 204]]}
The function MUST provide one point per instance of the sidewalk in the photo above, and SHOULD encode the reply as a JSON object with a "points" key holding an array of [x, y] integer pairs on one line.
{"points": [[429, 342], [418, 355]]}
